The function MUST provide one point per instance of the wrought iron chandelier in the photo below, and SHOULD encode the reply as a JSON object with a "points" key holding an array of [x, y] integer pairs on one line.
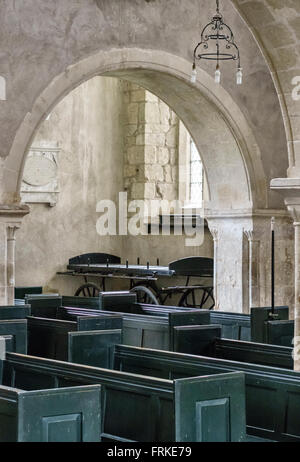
{"points": [[217, 44]]}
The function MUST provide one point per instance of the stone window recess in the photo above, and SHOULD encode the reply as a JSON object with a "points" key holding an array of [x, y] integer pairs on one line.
{"points": [[192, 183], [40, 180], [196, 175]]}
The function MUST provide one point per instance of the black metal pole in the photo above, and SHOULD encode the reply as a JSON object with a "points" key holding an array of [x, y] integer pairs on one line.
{"points": [[273, 265]]}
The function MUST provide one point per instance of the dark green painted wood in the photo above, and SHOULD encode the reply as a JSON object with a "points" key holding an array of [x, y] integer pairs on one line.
{"points": [[136, 407], [272, 394], [280, 333], [94, 348], [58, 415], [17, 328], [259, 318], [81, 302], [48, 338], [257, 353], [235, 326], [193, 266], [94, 258], [196, 340], [215, 418], [44, 306], [206, 341], [14, 312], [116, 301], [145, 330], [21, 292], [9, 345]]}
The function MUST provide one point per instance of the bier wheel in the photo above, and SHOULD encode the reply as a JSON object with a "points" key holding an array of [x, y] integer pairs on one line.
{"points": [[88, 290], [198, 298], [145, 295]]}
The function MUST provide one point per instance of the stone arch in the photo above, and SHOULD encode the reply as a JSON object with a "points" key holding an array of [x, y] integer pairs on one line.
{"points": [[230, 153]]}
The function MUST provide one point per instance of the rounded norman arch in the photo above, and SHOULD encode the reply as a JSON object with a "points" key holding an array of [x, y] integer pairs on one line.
{"points": [[229, 151]]}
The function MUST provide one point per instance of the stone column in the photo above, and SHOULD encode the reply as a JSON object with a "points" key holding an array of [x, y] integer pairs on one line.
{"points": [[10, 220], [242, 246], [230, 256], [215, 235], [289, 188]]}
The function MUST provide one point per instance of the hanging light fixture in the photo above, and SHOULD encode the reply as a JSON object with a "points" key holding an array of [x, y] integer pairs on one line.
{"points": [[217, 44]]}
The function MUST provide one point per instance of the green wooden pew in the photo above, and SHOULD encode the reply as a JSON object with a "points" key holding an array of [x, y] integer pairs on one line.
{"points": [[272, 394], [17, 330], [81, 302], [57, 415], [235, 326], [21, 292], [280, 332], [44, 306], [6, 344], [48, 338], [259, 319], [143, 408], [145, 330], [14, 312], [207, 341], [94, 348]]}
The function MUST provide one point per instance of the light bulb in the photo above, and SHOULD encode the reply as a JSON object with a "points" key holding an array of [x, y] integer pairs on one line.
{"points": [[239, 76], [218, 75], [194, 74]]}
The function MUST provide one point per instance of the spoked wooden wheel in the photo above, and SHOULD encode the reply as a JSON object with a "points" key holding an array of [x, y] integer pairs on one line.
{"points": [[198, 298], [145, 295], [88, 290]]}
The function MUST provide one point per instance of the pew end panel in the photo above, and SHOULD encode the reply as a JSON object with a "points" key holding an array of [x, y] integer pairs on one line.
{"points": [[196, 340], [280, 333], [17, 329], [192, 318], [211, 409], [120, 301], [259, 318], [54, 415], [48, 338], [21, 292], [94, 348], [44, 306]]}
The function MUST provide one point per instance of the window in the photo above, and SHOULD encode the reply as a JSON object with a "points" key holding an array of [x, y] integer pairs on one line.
{"points": [[191, 171], [196, 175]]}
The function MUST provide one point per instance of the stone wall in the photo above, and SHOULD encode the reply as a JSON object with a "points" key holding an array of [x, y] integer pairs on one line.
{"points": [[151, 146], [100, 129]]}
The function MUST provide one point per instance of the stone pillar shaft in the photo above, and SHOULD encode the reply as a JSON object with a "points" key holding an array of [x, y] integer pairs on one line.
{"points": [[242, 252], [10, 220]]}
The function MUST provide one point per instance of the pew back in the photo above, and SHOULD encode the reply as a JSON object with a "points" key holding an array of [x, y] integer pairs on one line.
{"points": [[140, 408], [14, 312], [206, 341], [48, 338], [272, 394]]}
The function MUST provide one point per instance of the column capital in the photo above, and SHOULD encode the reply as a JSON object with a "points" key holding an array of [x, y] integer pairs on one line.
{"points": [[13, 213], [289, 189]]}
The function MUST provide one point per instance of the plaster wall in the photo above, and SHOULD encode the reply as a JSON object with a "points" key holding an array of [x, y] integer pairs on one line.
{"points": [[44, 39], [88, 126]]}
